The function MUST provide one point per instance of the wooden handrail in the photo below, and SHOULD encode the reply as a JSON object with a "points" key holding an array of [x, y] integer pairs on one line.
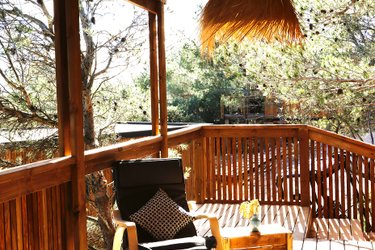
{"points": [[39, 175], [255, 130], [102, 158], [184, 135], [35, 176], [341, 141]]}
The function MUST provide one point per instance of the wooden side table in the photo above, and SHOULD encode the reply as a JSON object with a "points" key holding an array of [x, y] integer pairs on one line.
{"points": [[271, 236]]}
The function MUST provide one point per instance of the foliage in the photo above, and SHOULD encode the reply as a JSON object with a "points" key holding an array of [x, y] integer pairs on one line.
{"points": [[28, 84], [196, 85], [327, 81], [27, 68]]}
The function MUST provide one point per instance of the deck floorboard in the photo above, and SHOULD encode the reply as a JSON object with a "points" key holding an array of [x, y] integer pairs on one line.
{"points": [[326, 234]]}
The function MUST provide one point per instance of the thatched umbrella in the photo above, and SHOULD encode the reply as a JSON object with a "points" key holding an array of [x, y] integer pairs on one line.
{"points": [[254, 19]]}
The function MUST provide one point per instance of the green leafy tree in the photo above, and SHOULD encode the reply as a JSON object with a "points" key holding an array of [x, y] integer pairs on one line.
{"points": [[196, 86], [327, 81]]}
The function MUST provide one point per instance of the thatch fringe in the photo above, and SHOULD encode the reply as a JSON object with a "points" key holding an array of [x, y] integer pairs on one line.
{"points": [[254, 19]]}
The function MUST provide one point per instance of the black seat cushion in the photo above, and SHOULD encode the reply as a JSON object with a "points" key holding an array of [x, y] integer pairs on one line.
{"points": [[191, 243], [137, 181]]}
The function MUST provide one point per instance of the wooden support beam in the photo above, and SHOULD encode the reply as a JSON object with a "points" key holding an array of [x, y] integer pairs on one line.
{"points": [[154, 74], [149, 5], [76, 124], [62, 78], [69, 98], [162, 81], [62, 72]]}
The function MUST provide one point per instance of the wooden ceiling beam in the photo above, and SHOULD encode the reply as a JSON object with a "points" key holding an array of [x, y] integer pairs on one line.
{"points": [[149, 5]]}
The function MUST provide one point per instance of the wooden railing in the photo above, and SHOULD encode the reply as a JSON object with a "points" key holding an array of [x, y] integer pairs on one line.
{"points": [[247, 162], [342, 177], [278, 164]]}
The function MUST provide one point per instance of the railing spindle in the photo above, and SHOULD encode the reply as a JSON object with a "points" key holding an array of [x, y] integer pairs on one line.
{"points": [[290, 165], [234, 171], [229, 171], [248, 181], [285, 172], [267, 168], [256, 167], [312, 176], [325, 181], [360, 188], [337, 193], [354, 183], [296, 169], [319, 177], [224, 167], [343, 155], [218, 170], [348, 167], [240, 169], [330, 172], [261, 170], [251, 167], [277, 169], [366, 166]]}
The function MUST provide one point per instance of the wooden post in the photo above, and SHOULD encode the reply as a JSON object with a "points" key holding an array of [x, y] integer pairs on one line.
{"points": [[76, 124], [304, 166], [62, 78], [162, 81], [199, 169], [62, 88], [154, 74], [69, 98]]}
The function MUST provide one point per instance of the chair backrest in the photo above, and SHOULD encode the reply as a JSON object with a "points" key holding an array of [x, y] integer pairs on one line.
{"points": [[137, 181]]}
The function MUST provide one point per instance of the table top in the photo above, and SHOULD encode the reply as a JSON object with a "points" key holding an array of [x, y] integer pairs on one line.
{"points": [[268, 229]]}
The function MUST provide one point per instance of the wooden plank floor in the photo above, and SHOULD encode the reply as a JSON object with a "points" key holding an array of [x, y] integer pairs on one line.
{"points": [[327, 234]]}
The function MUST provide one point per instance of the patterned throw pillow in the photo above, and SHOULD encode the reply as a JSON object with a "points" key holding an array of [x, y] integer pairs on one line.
{"points": [[161, 216]]}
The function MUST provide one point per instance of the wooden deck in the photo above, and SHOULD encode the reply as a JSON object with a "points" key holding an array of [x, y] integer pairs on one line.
{"points": [[322, 234]]}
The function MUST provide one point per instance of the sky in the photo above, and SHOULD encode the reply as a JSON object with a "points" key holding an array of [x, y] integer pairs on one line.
{"points": [[181, 17], [181, 20]]}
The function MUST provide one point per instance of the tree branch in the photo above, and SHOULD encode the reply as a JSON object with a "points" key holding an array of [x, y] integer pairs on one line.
{"points": [[23, 116]]}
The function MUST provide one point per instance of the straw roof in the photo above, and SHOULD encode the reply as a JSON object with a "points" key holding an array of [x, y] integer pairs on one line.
{"points": [[254, 19]]}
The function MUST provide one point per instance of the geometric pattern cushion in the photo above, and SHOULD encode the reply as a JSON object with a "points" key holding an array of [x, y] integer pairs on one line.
{"points": [[161, 216]]}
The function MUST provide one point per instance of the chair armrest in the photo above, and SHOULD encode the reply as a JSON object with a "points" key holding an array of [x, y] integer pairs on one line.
{"points": [[131, 231], [214, 225]]}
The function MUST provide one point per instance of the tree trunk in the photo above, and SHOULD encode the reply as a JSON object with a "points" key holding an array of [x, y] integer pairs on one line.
{"points": [[88, 120], [101, 192], [97, 184]]}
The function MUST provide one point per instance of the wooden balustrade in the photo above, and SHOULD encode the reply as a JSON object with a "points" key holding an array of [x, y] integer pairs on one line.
{"points": [[342, 177], [248, 162], [278, 164]]}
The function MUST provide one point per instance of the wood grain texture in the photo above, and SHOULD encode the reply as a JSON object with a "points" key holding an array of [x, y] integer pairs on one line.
{"points": [[150, 6], [162, 80], [154, 88], [233, 168]]}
